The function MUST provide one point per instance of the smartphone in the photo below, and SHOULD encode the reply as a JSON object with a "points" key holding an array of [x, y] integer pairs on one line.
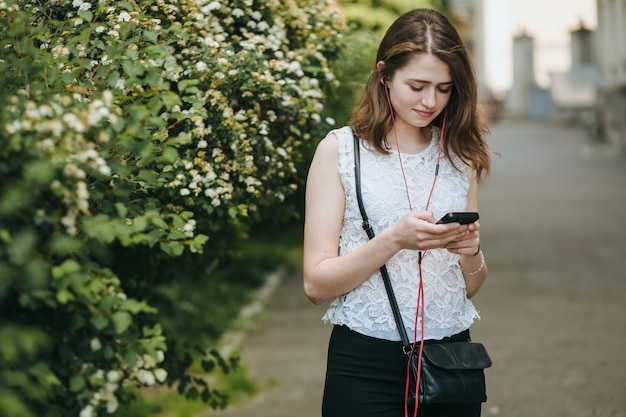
{"points": [[463, 217]]}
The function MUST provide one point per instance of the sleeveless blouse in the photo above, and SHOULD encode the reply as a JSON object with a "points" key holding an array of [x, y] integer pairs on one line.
{"points": [[366, 308]]}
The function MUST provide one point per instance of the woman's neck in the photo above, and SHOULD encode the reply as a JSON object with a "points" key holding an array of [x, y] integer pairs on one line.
{"points": [[410, 139]]}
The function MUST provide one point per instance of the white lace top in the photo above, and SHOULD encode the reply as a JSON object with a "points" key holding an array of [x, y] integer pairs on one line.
{"points": [[366, 309]]}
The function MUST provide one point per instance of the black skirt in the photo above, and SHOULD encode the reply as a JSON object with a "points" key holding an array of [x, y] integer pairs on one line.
{"points": [[366, 376]]}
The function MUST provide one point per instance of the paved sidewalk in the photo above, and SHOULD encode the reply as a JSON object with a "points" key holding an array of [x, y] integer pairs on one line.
{"points": [[286, 353], [553, 224]]}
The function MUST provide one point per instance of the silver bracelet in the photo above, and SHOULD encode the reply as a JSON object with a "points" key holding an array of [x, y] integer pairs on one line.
{"points": [[480, 268]]}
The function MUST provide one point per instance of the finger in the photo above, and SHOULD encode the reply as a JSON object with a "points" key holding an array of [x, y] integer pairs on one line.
{"points": [[424, 215], [474, 227]]}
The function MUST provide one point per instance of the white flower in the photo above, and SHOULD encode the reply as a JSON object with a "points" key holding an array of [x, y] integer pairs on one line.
{"points": [[112, 406], [95, 344], [160, 374], [214, 5], [104, 170], [123, 17], [238, 12], [71, 120], [146, 377], [201, 66], [87, 411], [113, 376], [185, 191], [47, 145], [189, 227], [58, 51], [330, 121], [81, 190]]}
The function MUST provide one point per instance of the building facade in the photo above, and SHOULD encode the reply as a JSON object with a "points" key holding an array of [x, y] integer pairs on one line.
{"points": [[611, 58]]}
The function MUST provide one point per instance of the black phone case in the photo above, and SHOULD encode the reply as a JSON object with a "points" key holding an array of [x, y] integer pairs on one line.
{"points": [[459, 217]]}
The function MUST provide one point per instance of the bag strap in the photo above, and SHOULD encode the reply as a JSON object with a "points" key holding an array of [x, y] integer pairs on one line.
{"points": [[370, 233]]}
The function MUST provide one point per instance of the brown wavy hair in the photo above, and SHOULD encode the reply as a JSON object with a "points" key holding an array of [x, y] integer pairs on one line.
{"points": [[425, 31]]}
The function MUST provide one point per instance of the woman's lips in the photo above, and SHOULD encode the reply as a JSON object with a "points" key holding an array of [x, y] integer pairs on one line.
{"points": [[424, 114]]}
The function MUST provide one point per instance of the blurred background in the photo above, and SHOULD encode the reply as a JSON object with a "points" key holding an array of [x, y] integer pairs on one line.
{"points": [[541, 59]]}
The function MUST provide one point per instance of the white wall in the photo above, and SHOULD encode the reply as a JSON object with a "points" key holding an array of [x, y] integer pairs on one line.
{"points": [[549, 22]]}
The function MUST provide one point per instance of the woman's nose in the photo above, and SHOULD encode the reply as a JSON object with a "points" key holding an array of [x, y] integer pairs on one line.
{"points": [[429, 98]]}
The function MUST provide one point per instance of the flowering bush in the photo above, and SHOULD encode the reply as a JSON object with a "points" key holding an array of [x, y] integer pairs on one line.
{"points": [[169, 125]]}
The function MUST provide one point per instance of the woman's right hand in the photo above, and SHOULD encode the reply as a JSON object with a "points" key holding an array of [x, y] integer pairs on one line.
{"points": [[418, 230]]}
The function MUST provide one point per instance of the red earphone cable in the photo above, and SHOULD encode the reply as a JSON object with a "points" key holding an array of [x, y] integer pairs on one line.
{"points": [[395, 132]]}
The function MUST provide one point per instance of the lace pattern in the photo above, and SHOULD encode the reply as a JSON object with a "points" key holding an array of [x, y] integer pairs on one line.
{"points": [[366, 309]]}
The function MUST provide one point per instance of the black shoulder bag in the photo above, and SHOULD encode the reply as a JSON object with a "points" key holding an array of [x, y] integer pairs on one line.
{"points": [[451, 372]]}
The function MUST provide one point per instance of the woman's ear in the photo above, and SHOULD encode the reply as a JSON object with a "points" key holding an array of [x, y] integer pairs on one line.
{"points": [[379, 69]]}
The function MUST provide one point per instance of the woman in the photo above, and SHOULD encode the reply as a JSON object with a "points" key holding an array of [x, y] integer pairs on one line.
{"points": [[412, 173]]}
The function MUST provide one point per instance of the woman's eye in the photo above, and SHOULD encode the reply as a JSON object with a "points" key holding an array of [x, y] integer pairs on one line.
{"points": [[445, 90], [416, 88]]}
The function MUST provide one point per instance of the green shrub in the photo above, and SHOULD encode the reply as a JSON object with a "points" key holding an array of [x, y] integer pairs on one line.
{"points": [[151, 128]]}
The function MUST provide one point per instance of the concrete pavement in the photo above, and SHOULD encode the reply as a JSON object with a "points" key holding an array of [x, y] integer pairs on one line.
{"points": [[553, 226]]}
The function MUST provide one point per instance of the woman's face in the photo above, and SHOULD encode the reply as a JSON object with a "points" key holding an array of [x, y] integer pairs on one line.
{"points": [[420, 90]]}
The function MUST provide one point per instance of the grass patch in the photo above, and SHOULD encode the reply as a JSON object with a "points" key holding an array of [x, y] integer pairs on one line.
{"points": [[164, 402], [200, 307]]}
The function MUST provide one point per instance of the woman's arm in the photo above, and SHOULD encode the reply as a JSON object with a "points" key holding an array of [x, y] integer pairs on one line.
{"points": [[328, 275]]}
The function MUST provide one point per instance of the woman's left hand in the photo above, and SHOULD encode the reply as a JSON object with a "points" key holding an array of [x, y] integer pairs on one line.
{"points": [[469, 244]]}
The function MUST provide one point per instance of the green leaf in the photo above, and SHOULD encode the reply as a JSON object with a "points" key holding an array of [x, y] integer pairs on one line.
{"points": [[172, 248], [178, 222], [133, 306], [198, 242], [99, 321], [107, 303], [176, 235], [159, 222], [147, 175], [67, 267], [170, 99], [151, 35], [156, 330], [42, 172], [121, 320], [100, 228], [122, 210], [77, 383], [86, 14], [64, 296], [64, 245], [67, 77], [15, 199], [22, 246], [130, 358], [184, 84]]}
